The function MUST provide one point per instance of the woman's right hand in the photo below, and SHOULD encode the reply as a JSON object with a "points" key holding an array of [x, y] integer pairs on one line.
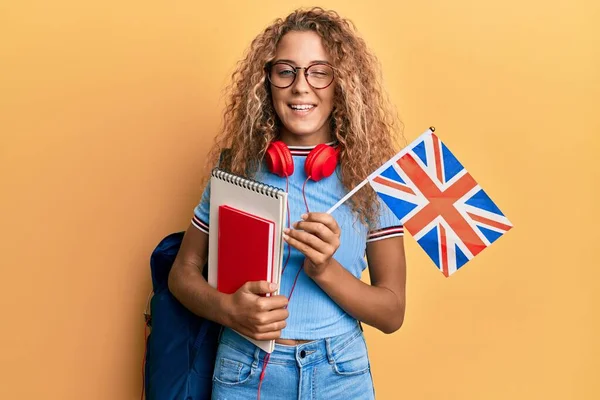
{"points": [[258, 317]]}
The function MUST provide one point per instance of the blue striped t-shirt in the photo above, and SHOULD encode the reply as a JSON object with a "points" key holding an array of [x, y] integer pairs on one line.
{"points": [[312, 313]]}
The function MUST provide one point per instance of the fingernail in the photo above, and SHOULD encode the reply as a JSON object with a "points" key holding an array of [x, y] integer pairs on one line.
{"points": [[273, 286], [285, 237], [286, 230], [295, 225], [304, 216]]}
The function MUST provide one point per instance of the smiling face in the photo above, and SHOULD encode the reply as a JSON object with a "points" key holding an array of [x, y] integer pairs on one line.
{"points": [[303, 110]]}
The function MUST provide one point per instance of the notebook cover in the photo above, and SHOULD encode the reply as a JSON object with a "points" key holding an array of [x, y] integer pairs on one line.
{"points": [[246, 245]]}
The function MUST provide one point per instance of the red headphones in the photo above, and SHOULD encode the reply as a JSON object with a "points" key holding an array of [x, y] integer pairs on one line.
{"points": [[320, 162]]}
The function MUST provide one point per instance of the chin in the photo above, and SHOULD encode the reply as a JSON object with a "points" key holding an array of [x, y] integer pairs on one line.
{"points": [[302, 130], [303, 127]]}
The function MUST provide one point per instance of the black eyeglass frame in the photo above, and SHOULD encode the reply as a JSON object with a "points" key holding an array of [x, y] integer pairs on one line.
{"points": [[269, 66]]}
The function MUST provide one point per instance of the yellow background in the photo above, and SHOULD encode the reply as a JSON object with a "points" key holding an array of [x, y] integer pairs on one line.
{"points": [[106, 110]]}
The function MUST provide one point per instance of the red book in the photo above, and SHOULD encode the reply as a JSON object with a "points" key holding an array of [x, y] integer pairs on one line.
{"points": [[245, 249]]}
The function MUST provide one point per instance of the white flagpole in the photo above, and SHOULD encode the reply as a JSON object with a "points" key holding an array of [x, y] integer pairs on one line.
{"points": [[346, 197], [379, 170]]}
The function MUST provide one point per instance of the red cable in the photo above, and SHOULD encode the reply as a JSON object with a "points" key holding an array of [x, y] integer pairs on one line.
{"points": [[304, 194], [288, 225], [262, 374], [268, 355], [293, 286], [299, 269]]}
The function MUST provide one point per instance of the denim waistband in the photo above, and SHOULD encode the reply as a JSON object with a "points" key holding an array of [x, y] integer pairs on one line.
{"points": [[303, 354]]}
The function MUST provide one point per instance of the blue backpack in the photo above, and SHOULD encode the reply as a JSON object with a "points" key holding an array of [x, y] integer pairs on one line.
{"points": [[181, 347]]}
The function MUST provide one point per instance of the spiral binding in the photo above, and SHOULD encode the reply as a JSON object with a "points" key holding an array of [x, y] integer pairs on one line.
{"points": [[246, 183]]}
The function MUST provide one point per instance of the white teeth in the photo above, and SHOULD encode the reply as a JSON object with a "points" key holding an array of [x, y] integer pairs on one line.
{"points": [[301, 106]]}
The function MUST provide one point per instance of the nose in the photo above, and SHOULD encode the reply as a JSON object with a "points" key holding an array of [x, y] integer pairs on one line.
{"points": [[300, 84]]}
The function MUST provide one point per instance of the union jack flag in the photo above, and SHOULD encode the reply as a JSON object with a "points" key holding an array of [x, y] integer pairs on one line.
{"points": [[439, 203]]}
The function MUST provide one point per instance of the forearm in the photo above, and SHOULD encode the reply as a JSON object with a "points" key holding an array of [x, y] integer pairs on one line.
{"points": [[377, 306], [188, 285]]}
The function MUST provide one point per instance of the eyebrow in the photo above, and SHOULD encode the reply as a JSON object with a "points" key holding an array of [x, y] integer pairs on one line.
{"points": [[295, 63]]}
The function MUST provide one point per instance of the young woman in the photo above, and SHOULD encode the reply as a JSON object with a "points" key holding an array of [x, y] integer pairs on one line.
{"points": [[308, 91]]}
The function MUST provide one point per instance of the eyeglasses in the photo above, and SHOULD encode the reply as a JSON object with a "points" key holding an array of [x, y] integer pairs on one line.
{"points": [[282, 75]]}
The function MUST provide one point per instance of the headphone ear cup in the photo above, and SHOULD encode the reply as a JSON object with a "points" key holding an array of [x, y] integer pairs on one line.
{"points": [[279, 159], [321, 162]]}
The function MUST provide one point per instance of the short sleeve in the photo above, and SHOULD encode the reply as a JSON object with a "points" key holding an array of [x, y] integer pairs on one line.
{"points": [[201, 218], [387, 225]]}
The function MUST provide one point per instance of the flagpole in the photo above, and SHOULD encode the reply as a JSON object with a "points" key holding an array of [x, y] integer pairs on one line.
{"points": [[377, 172], [346, 197]]}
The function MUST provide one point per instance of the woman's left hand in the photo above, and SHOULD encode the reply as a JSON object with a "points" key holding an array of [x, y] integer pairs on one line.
{"points": [[317, 236]]}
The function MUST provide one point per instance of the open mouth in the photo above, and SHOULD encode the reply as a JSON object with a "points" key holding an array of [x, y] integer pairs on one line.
{"points": [[302, 108]]}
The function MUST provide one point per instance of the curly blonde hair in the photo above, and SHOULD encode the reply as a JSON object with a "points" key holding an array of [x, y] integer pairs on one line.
{"points": [[363, 121]]}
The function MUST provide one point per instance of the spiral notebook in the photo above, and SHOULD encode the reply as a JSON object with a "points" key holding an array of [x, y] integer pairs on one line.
{"points": [[263, 201]]}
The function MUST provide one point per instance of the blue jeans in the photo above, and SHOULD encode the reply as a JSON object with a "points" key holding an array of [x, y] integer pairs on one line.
{"points": [[332, 368]]}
